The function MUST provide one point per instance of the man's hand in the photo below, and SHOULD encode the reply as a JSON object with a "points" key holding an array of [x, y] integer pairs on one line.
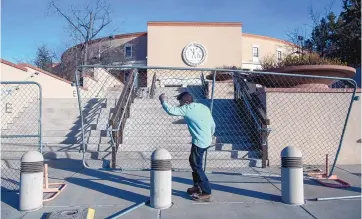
{"points": [[162, 98]]}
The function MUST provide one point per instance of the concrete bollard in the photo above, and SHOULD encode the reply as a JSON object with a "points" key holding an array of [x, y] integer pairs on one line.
{"points": [[31, 181], [292, 176], [161, 180]]}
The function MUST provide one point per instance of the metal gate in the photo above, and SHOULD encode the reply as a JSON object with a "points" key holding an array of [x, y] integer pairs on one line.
{"points": [[257, 114], [21, 117]]}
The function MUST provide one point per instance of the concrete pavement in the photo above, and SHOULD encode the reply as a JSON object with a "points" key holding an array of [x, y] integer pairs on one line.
{"points": [[234, 196]]}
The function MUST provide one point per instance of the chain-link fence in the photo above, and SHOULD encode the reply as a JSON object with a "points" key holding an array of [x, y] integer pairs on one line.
{"points": [[20, 128], [257, 114]]}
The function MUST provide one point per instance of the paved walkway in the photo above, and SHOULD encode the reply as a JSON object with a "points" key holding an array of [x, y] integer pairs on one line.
{"points": [[234, 195]]}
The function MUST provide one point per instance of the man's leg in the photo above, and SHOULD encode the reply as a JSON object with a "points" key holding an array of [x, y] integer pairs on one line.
{"points": [[195, 189], [197, 157]]}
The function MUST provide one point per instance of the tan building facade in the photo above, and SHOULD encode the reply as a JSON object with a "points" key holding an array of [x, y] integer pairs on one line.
{"points": [[218, 44]]}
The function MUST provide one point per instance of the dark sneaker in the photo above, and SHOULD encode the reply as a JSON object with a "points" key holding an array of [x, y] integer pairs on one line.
{"points": [[193, 190], [202, 197]]}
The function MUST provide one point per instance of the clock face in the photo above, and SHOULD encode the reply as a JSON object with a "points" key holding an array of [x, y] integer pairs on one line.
{"points": [[194, 54]]}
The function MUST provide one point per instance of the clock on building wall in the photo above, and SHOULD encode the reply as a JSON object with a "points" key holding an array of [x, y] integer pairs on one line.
{"points": [[194, 54]]}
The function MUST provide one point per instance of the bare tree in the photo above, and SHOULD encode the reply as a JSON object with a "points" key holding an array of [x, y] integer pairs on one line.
{"points": [[85, 24]]}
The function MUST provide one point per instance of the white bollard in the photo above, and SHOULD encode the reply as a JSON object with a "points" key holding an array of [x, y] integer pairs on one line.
{"points": [[31, 181], [292, 176], [161, 179]]}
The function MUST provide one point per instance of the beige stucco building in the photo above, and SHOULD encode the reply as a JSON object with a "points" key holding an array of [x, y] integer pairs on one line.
{"points": [[218, 44]]}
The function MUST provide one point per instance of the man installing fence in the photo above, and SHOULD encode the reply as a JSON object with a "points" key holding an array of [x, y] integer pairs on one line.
{"points": [[202, 127]]}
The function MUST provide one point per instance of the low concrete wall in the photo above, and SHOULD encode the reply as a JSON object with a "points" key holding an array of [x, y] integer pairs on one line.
{"points": [[313, 122]]}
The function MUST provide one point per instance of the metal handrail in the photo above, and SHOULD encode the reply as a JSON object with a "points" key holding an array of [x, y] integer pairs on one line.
{"points": [[120, 100], [123, 113], [248, 104], [110, 129]]}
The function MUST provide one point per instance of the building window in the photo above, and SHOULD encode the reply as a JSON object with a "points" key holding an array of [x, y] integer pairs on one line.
{"points": [[279, 55], [255, 51], [128, 51]]}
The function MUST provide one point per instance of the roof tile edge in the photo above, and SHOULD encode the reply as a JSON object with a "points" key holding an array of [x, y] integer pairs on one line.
{"points": [[13, 65], [185, 23], [44, 72]]}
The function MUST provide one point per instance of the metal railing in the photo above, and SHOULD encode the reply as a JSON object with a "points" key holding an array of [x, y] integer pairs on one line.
{"points": [[153, 86], [122, 112], [256, 111]]}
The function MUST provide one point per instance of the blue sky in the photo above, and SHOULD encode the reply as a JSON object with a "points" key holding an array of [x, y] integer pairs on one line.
{"points": [[28, 24]]}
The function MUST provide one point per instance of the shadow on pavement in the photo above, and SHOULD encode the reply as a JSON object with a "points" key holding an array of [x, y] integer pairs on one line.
{"points": [[10, 198], [234, 190], [315, 183]]}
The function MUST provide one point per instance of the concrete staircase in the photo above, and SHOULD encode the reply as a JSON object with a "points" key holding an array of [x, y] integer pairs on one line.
{"points": [[62, 132], [149, 128]]}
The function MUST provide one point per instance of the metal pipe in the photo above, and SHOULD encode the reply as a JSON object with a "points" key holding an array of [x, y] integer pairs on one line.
{"points": [[205, 161], [344, 127], [81, 118], [212, 91], [213, 69], [211, 107], [127, 210], [40, 118], [337, 198]]}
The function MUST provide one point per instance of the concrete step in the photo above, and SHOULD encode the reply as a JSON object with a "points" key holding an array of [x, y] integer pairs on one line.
{"points": [[157, 140], [185, 165], [171, 120], [66, 163], [59, 124], [59, 155], [74, 113], [57, 133], [144, 125], [59, 140], [16, 147], [212, 154], [154, 132], [186, 147]]}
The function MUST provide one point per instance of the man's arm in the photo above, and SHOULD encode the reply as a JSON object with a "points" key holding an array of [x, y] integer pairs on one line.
{"points": [[174, 111]]}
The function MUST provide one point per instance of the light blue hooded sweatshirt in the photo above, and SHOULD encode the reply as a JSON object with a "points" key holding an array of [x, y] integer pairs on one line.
{"points": [[199, 121]]}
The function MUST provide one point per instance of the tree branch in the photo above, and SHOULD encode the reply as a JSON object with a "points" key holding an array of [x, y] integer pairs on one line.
{"points": [[66, 17]]}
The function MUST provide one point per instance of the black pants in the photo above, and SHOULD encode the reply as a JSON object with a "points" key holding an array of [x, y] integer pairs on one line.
{"points": [[198, 175]]}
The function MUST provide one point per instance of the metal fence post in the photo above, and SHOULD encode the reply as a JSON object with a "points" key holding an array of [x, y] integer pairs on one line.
{"points": [[40, 119], [344, 126], [211, 107], [80, 109], [212, 91]]}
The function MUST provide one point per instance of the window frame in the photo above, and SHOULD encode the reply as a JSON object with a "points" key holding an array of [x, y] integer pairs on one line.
{"points": [[125, 50]]}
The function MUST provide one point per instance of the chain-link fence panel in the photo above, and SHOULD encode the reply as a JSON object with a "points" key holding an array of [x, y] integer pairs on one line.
{"points": [[20, 128], [269, 111], [257, 114]]}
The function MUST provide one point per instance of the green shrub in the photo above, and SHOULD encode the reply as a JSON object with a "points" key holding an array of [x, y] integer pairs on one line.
{"points": [[270, 62]]}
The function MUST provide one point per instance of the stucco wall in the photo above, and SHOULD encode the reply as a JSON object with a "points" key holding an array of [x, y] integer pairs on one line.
{"points": [[313, 122], [111, 50], [97, 87], [267, 46], [165, 44], [351, 147]]}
